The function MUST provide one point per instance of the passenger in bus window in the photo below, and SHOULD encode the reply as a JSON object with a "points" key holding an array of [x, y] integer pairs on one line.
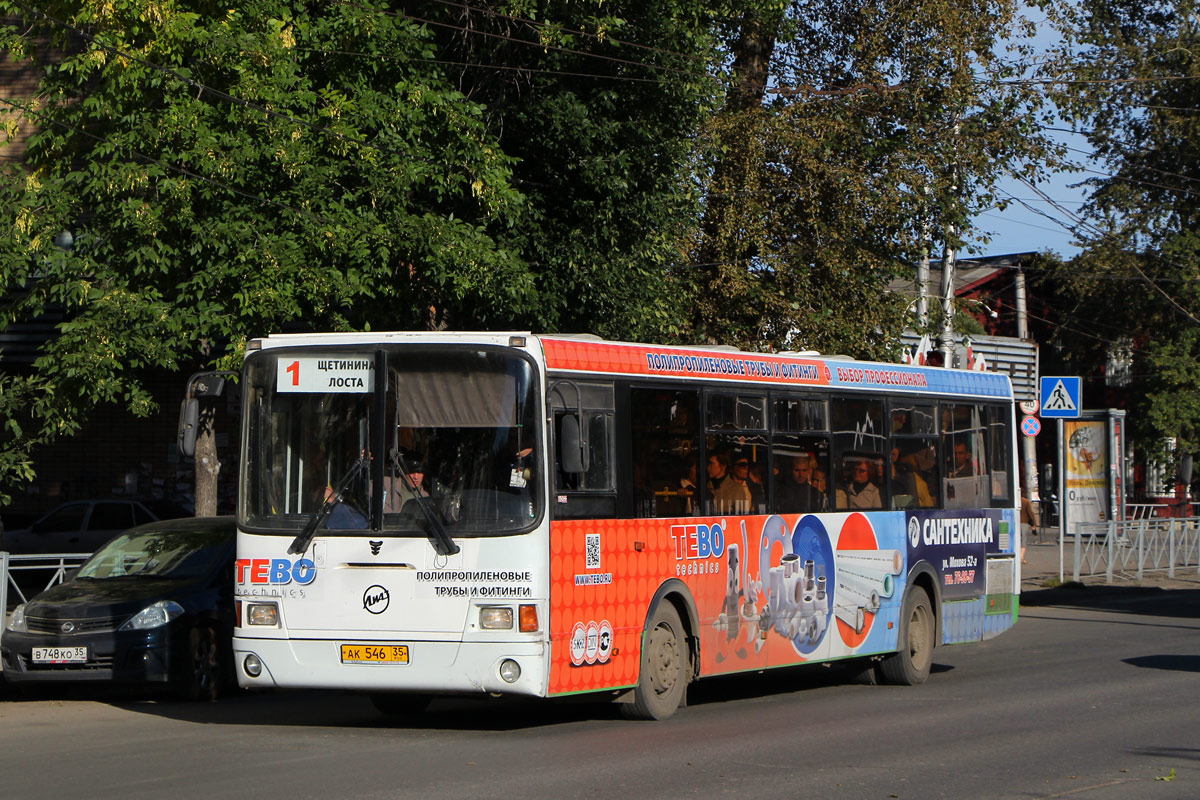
{"points": [[688, 487], [396, 490], [962, 466], [798, 493], [908, 487], [743, 475], [343, 516], [758, 488], [718, 471], [733, 495], [860, 490]]}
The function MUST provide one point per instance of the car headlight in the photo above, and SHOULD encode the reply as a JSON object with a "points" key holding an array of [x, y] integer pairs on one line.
{"points": [[16, 622], [153, 616]]}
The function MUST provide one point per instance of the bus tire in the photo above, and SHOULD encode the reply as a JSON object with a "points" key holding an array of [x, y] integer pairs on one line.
{"points": [[909, 666], [662, 678], [400, 704]]}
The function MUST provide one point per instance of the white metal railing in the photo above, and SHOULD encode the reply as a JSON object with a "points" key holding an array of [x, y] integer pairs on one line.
{"points": [[1134, 547], [53, 566], [1136, 511]]}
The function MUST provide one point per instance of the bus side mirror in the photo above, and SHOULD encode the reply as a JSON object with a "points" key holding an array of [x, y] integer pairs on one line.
{"points": [[571, 448], [201, 384], [189, 417]]}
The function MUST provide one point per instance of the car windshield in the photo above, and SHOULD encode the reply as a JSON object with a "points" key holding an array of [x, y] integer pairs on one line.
{"points": [[173, 554], [452, 433]]}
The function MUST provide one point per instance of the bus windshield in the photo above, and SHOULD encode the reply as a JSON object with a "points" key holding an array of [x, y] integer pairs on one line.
{"points": [[454, 435]]}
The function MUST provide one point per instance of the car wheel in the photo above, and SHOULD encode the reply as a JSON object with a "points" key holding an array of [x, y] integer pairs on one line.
{"points": [[200, 678]]}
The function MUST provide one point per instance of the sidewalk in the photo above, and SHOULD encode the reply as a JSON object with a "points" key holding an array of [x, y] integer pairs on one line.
{"points": [[1041, 570]]}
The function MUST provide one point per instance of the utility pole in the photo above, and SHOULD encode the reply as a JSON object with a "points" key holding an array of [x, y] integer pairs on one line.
{"points": [[946, 338], [949, 258], [923, 275], [1028, 447]]}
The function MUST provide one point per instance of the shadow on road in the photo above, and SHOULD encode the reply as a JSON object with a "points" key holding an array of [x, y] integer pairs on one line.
{"points": [[338, 709], [1169, 662], [1146, 600]]}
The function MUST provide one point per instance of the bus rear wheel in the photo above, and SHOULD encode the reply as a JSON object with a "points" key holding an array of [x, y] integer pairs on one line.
{"points": [[662, 678], [910, 665]]}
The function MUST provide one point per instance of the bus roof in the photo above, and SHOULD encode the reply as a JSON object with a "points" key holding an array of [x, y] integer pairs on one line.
{"points": [[591, 355], [584, 353]]}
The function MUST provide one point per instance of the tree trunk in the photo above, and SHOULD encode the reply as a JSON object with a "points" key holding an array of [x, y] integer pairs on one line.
{"points": [[207, 465], [720, 276]]}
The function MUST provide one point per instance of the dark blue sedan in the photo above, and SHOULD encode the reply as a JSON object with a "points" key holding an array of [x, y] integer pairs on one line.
{"points": [[153, 606]]}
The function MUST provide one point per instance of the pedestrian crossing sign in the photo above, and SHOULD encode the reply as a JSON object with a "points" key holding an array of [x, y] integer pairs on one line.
{"points": [[1061, 398]]}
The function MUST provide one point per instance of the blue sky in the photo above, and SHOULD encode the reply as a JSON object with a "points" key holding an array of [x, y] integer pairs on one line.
{"points": [[1032, 222]]}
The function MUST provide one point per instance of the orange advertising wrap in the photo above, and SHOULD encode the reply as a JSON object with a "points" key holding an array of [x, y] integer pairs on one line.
{"points": [[640, 359], [767, 590]]}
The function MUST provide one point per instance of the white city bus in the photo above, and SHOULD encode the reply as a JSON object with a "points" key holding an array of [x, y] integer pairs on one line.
{"points": [[467, 513]]}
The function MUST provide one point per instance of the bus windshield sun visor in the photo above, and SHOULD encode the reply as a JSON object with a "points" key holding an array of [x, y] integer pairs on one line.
{"points": [[439, 537], [301, 542]]}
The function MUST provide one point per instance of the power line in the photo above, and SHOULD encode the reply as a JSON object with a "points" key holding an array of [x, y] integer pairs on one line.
{"points": [[598, 37], [467, 64], [504, 37]]}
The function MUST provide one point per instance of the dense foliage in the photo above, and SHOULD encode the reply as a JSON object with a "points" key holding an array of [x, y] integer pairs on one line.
{"points": [[1134, 87], [882, 129], [225, 172], [747, 172]]}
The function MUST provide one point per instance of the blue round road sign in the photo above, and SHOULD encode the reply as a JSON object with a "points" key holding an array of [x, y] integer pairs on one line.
{"points": [[1030, 426]]}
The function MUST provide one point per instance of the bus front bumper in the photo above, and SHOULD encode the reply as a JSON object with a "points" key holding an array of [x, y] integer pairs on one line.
{"points": [[432, 666]]}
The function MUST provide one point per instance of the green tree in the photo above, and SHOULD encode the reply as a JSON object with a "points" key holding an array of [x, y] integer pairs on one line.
{"points": [[598, 104], [226, 172], [1134, 85], [870, 137]]}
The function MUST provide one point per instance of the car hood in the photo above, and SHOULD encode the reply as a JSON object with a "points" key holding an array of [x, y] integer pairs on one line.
{"points": [[111, 597]]}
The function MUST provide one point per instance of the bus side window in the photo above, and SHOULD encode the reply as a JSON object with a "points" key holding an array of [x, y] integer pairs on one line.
{"points": [[912, 466], [860, 438], [967, 479], [1000, 453], [583, 424], [666, 452], [800, 455]]}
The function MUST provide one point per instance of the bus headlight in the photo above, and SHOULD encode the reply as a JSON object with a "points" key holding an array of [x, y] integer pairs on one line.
{"points": [[510, 671], [496, 618], [262, 614]]}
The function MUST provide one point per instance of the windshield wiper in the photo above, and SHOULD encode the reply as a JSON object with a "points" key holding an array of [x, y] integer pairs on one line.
{"points": [[439, 537], [301, 542]]}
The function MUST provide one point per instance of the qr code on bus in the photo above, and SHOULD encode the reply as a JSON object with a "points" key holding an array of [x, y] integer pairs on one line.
{"points": [[592, 548]]}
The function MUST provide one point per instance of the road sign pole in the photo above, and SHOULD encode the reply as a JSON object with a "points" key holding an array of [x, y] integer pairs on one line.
{"points": [[1062, 498]]}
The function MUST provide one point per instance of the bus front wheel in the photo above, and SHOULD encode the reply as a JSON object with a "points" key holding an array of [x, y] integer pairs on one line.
{"points": [[910, 665], [662, 678]]}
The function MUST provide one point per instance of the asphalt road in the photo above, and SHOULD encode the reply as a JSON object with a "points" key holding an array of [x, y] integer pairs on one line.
{"points": [[1092, 695]]}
